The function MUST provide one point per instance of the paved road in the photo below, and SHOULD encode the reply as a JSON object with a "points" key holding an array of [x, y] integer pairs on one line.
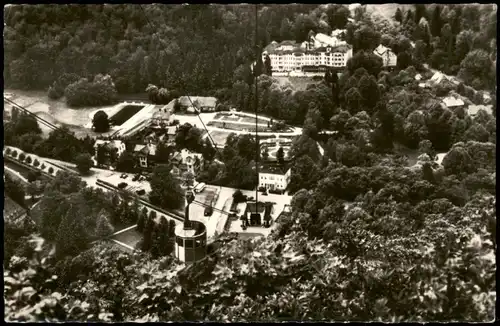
{"points": [[214, 223]]}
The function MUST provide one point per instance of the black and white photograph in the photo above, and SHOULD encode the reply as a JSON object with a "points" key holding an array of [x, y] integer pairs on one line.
{"points": [[249, 162]]}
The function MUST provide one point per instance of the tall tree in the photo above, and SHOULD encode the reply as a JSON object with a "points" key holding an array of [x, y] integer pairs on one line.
{"points": [[280, 156], [436, 21], [84, 163], [100, 121], [420, 12], [398, 16], [165, 190]]}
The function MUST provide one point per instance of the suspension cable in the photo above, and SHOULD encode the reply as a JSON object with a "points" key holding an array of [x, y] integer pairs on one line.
{"points": [[214, 145], [257, 154]]}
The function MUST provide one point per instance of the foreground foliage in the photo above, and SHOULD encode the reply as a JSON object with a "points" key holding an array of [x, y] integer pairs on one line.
{"points": [[444, 272]]}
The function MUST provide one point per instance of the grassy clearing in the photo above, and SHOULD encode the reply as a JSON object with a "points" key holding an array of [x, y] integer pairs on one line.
{"points": [[252, 120], [229, 118], [387, 10], [56, 112]]}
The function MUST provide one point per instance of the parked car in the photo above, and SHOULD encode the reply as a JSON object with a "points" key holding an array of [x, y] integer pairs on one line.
{"points": [[136, 177], [140, 192], [250, 198], [142, 178], [209, 211], [275, 191], [122, 185], [124, 176]]}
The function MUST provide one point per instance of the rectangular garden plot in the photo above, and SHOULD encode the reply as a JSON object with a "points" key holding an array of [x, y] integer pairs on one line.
{"points": [[125, 113]]}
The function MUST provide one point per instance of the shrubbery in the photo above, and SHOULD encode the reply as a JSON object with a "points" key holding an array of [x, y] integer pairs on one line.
{"points": [[36, 163], [22, 156], [51, 170], [101, 91], [14, 153], [7, 151], [28, 160]]}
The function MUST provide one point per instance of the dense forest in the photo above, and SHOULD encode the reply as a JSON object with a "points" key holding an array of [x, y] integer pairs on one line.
{"points": [[194, 48], [207, 50]]}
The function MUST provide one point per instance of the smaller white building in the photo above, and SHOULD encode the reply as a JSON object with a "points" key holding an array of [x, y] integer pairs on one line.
{"points": [[338, 33], [198, 103], [116, 145], [187, 161], [473, 110], [452, 102], [274, 178], [145, 152], [389, 58], [323, 40]]}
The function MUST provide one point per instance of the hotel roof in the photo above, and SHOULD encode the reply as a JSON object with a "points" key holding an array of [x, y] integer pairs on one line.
{"points": [[273, 48], [274, 169]]}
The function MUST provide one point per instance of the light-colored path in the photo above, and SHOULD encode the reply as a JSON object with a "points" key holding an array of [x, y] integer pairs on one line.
{"points": [[16, 173]]}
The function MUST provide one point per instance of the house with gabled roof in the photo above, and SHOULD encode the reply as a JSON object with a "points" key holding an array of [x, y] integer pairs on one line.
{"points": [[185, 161], [162, 117], [198, 103], [145, 154], [274, 177], [389, 58], [473, 110], [453, 102], [110, 147]]}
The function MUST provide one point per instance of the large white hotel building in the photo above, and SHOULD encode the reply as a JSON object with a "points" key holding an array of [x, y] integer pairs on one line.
{"points": [[315, 55]]}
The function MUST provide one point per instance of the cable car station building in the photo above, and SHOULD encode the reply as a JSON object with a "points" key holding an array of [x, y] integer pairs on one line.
{"points": [[190, 237]]}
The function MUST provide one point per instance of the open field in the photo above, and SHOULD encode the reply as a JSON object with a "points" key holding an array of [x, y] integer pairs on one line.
{"points": [[219, 137], [237, 126], [54, 111], [228, 118], [252, 120], [239, 117]]}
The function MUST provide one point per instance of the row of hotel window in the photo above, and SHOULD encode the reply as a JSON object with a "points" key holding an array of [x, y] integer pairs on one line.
{"points": [[271, 178]]}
